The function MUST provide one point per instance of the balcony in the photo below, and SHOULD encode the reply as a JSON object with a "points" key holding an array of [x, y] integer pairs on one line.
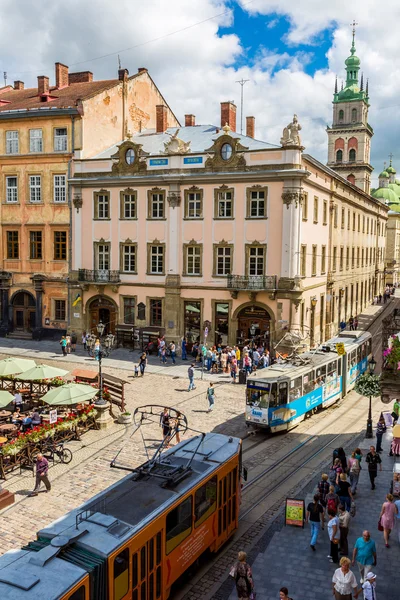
{"points": [[98, 276], [252, 283]]}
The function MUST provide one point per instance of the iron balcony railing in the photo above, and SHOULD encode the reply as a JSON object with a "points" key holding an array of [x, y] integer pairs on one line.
{"points": [[99, 275], [252, 282]]}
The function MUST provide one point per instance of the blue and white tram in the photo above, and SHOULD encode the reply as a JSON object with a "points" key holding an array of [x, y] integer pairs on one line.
{"points": [[282, 395]]}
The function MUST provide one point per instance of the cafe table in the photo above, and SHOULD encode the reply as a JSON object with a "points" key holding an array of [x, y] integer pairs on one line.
{"points": [[4, 415], [8, 429]]}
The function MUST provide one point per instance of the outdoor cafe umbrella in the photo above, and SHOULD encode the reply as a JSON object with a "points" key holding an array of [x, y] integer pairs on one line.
{"points": [[5, 398], [15, 365], [41, 372], [70, 393]]}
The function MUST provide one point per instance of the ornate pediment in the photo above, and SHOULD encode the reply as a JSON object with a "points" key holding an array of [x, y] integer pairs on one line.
{"points": [[129, 159], [226, 153], [175, 145]]}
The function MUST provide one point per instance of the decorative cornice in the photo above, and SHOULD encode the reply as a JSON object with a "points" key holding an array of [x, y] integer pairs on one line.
{"points": [[77, 201], [236, 160], [174, 199], [295, 196], [176, 145], [122, 167]]}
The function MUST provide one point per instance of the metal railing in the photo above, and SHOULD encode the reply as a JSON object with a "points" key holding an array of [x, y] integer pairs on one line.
{"points": [[99, 275], [252, 282]]}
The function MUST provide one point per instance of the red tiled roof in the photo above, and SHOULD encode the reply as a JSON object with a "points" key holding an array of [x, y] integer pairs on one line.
{"points": [[64, 98]]}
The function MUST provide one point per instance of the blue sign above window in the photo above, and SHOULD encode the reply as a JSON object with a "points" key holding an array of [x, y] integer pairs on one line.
{"points": [[191, 160], [156, 162]]}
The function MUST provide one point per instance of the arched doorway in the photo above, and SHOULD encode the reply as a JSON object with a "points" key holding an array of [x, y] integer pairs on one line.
{"points": [[104, 310], [24, 311], [253, 324]]}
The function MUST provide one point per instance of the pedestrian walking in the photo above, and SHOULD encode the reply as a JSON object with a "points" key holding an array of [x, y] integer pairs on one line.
{"points": [[74, 339], [183, 349], [163, 355], [68, 338], [283, 594], [344, 523], [142, 363], [332, 499], [233, 366], [191, 378], [344, 582], [342, 325], [63, 344], [396, 411], [387, 517], [241, 573], [351, 323], [166, 426], [335, 472], [84, 340], [354, 472], [373, 460], [341, 455], [315, 515], [334, 536], [323, 489], [380, 298], [42, 469], [172, 348], [355, 323], [380, 430], [344, 491], [369, 587], [364, 553], [210, 396]]}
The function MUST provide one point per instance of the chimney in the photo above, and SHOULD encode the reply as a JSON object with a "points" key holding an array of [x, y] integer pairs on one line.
{"points": [[189, 121], [250, 126], [61, 76], [142, 70], [228, 115], [18, 85], [81, 77], [123, 74], [43, 85], [161, 118]]}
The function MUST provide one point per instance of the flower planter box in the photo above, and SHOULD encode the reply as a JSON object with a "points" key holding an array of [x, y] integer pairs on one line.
{"points": [[125, 419]]}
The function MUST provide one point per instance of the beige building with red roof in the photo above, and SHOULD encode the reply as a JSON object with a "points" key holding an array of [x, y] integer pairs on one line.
{"points": [[42, 130]]}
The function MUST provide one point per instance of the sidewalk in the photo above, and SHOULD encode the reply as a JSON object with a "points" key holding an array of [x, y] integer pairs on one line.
{"points": [[289, 561]]}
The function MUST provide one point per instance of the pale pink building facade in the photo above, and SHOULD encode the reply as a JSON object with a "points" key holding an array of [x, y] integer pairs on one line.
{"points": [[176, 230]]}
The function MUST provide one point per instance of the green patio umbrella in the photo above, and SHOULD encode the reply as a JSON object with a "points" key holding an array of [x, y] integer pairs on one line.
{"points": [[41, 372], [15, 365], [5, 398], [70, 393]]}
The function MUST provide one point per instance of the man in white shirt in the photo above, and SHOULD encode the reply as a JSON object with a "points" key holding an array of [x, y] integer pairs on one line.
{"points": [[17, 400]]}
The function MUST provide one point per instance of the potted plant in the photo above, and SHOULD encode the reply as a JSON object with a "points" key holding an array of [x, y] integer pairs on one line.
{"points": [[125, 418]]}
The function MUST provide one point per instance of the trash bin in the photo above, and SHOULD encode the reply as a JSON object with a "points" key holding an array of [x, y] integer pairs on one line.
{"points": [[242, 376]]}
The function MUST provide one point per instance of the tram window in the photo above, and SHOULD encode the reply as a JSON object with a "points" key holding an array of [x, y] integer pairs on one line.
{"points": [[339, 367], [369, 347], [205, 501], [359, 354], [79, 594], [158, 582], [135, 570], [143, 568], [295, 389], [121, 574], [158, 548], [320, 376], [143, 591], [179, 524], [273, 400], [135, 595], [283, 396], [257, 398], [353, 359], [308, 383], [332, 368], [151, 586], [151, 554]]}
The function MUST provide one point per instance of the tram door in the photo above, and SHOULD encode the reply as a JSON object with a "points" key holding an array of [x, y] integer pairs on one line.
{"points": [[147, 571], [227, 504], [344, 361]]}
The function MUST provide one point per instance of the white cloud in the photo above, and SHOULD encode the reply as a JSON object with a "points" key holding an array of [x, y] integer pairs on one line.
{"points": [[195, 67]]}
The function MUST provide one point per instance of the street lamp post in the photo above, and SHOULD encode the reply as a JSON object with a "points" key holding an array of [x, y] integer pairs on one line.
{"points": [[369, 433], [98, 356]]}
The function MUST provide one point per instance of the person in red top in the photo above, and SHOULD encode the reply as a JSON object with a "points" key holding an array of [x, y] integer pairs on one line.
{"points": [[42, 468]]}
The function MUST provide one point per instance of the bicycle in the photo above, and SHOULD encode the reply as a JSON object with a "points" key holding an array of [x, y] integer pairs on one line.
{"points": [[57, 449]]}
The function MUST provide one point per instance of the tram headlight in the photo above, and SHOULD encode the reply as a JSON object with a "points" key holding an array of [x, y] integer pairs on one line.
{"points": [[264, 420], [248, 417]]}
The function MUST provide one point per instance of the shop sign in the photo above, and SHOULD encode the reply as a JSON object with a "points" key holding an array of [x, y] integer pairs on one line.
{"points": [[53, 416], [191, 160], [294, 512], [158, 162]]}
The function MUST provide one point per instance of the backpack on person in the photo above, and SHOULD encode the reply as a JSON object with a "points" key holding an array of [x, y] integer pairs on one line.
{"points": [[331, 505], [332, 476]]}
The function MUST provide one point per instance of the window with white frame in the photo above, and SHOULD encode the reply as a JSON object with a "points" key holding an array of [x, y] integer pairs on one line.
{"points": [[35, 140], [157, 260], [102, 255], [128, 206], [35, 188], [156, 208], [223, 260], [12, 142], [224, 205], [101, 205], [60, 188], [60, 139], [194, 202], [257, 204], [129, 258], [193, 260], [256, 264], [11, 189]]}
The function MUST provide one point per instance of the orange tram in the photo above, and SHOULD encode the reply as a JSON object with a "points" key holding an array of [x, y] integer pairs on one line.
{"points": [[136, 538]]}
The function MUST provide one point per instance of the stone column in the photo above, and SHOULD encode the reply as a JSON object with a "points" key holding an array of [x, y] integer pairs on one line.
{"points": [[5, 283], [172, 279], [292, 198], [38, 287]]}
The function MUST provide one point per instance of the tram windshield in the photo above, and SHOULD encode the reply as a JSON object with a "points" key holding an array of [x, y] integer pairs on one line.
{"points": [[257, 398]]}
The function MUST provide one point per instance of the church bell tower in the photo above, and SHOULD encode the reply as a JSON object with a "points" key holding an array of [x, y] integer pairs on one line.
{"points": [[349, 138]]}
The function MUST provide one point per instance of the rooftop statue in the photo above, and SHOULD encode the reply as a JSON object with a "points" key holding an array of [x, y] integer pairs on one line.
{"points": [[290, 135]]}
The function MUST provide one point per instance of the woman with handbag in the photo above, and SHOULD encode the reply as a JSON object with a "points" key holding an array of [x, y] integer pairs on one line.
{"points": [[387, 518], [334, 536], [241, 573]]}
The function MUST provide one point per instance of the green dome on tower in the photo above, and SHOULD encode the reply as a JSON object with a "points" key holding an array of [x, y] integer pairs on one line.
{"points": [[387, 195], [396, 188], [384, 175], [391, 170]]}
